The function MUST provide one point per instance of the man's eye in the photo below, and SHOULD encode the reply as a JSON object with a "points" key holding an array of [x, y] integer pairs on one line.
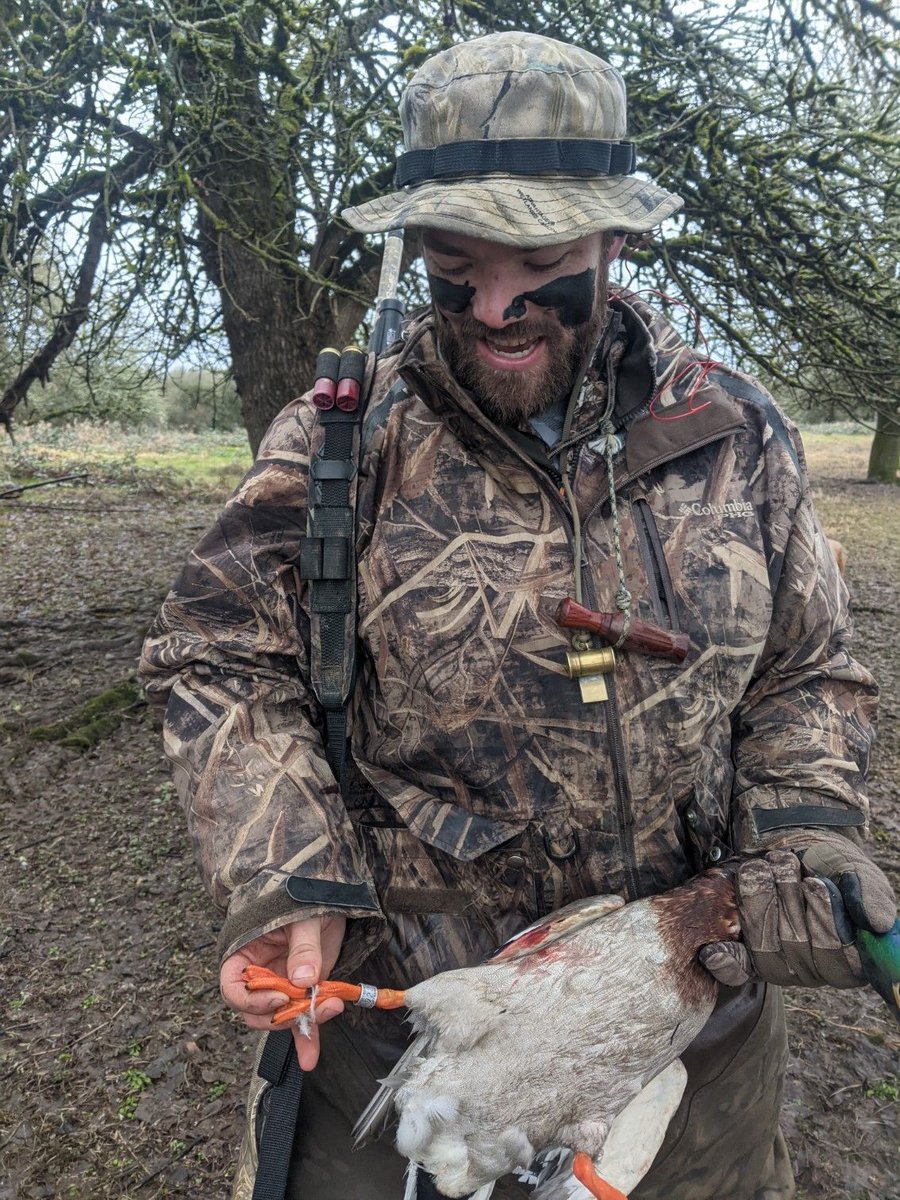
{"points": [[550, 266], [450, 272]]}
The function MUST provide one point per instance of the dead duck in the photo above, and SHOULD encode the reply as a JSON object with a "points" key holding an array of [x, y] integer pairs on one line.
{"points": [[602, 994]]}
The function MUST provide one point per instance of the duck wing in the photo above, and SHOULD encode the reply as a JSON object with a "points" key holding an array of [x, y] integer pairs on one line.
{"points": [[377, 1114], [557, 925]]}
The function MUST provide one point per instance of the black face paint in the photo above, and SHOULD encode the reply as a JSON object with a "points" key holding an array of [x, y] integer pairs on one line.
{"points": [[454, 297], [571, 295]]}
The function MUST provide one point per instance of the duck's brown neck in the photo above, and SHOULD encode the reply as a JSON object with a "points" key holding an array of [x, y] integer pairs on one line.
{"points": [[702, 910]]}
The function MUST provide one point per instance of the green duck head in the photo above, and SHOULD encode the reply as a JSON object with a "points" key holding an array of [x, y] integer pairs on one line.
{"points": [[880, 955]]}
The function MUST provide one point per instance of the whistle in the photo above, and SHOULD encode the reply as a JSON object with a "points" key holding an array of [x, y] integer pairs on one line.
{"points": [[590, 662]]}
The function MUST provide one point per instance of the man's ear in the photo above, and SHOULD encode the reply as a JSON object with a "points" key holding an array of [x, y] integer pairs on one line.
{"points": [[614, 246]]}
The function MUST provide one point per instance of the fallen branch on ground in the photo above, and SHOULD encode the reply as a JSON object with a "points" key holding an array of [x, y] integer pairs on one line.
{"points": [[44, 483]]}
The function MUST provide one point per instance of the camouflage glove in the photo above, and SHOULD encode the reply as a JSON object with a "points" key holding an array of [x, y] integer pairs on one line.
{"points": [[794, 906]]}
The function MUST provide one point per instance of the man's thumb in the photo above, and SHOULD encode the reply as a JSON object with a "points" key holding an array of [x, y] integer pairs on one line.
{"points": [[304, 957]]}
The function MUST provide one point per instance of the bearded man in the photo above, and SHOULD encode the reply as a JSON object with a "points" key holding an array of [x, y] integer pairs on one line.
{"points": [[531, 437]]}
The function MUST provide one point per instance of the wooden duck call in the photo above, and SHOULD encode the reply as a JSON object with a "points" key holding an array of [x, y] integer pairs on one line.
{"points": [[642, 636]]}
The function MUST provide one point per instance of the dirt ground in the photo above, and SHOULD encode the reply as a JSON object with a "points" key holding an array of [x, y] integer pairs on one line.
{"points": [[122, 1076]]}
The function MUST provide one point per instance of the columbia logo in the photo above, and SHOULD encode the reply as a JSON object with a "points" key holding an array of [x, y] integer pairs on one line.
{"points": [[735, 508]]}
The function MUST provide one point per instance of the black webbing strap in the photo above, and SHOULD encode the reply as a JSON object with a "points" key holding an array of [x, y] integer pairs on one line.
{"points": [[278, 1064], [803, 815], [516, 156], [328, 564]]}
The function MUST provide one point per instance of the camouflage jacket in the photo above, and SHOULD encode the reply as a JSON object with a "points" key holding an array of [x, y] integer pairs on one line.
{"points": [[484, 791]]}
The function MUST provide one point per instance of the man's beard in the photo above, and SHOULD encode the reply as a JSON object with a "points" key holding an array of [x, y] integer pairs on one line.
{"points": [[511, 397]]}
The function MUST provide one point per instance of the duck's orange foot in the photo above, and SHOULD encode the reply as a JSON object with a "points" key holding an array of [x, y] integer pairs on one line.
{"points": [[302, 999], [583, 1170]]}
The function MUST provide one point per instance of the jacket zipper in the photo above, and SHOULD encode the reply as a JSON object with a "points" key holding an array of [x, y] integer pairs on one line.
{"points": [[662, 593], [624, 811], [624, 808]]}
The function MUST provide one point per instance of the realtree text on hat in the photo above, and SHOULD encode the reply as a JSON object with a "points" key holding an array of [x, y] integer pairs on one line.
{"points": [[519, 139]]}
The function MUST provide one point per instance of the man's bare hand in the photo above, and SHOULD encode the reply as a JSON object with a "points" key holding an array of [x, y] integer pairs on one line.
{"points": [[305, 952]]}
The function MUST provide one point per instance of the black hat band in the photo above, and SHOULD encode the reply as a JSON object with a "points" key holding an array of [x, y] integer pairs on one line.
{"points": [[515, 156]]}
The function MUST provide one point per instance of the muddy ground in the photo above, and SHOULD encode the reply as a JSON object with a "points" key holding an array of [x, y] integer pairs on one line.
{"points": [[122, 1076]]}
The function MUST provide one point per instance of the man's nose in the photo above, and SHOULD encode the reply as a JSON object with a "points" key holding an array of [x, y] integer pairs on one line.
{"points": [[494, 302]]}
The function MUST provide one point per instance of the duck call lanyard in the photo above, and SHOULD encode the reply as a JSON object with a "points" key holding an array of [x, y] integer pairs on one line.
{"points": [[328, 565]]}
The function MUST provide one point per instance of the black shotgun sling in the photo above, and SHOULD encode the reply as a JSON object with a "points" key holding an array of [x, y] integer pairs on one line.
{"points": [[328, 565]]}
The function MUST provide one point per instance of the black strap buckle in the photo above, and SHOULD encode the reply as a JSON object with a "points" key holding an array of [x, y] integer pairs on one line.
{"points": [[332, 468], [324, 558]]}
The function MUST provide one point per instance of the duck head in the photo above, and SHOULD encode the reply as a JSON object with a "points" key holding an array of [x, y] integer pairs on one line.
{"points": [[880, 955]]}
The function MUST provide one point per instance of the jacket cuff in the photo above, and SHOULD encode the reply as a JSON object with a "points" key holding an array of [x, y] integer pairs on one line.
{"points": [[300, 899], [800, 838], [764, 812]]}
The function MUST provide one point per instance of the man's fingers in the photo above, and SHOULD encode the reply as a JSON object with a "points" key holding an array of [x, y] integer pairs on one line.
{"points": [[865, 890], [304, 957], [869, 899], [729, 962], [758, 899], [313, 948], [309, 1046], [794, 920], [237, 995], [297, 951]]}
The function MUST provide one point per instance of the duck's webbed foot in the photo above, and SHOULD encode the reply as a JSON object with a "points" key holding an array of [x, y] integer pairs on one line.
{"points": [[583, 1170], [302, 1000]]}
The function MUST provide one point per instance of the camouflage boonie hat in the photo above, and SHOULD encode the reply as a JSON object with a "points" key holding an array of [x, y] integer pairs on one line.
{"points": [[519, 139]]}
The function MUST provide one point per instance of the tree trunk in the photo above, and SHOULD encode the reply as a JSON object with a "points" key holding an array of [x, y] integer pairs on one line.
{"points": [[276, 317], [273, 342], [884, 457]]}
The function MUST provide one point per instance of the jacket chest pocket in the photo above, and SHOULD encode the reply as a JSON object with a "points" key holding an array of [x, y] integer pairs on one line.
{"points": [[659, 580]]}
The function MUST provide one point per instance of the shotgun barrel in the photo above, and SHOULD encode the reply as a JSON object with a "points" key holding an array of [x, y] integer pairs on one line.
{"points": [[389, 307]]}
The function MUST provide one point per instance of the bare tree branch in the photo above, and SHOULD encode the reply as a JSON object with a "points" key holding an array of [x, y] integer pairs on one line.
{"points": [[68, 324]]}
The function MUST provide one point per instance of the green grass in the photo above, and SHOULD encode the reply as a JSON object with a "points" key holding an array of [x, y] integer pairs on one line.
{"points": [[85, 726], [883, 1089], [833, 453], [197, 463], [209, 465]]}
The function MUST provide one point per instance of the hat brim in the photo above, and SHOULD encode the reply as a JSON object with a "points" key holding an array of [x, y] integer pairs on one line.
{"points": [[531, 211]]}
